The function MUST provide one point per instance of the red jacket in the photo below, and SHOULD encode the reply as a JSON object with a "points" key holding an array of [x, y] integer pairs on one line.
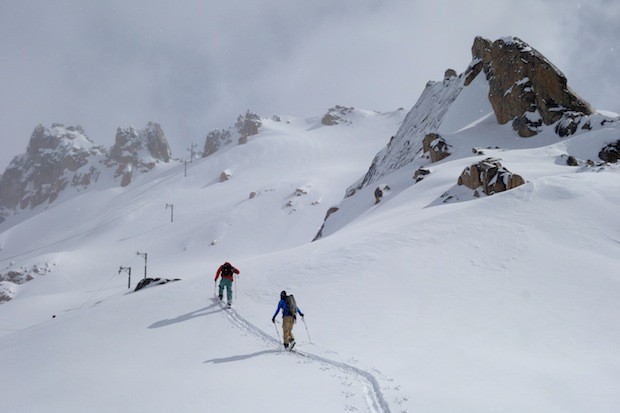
{"points": [[228, 277]]}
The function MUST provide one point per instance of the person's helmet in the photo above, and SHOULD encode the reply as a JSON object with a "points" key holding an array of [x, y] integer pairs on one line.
{"points": [[283, 295]]}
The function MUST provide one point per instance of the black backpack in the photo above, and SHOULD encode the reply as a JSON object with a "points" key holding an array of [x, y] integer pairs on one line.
{"points": [[227, 270], [291, 304]]}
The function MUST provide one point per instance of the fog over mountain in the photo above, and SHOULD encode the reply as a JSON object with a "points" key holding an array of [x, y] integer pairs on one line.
{"points": [[193, 66]]}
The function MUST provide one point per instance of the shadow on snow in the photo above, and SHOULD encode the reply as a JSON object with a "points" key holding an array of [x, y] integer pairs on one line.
{"points": [[243, 357], [212, 309]]}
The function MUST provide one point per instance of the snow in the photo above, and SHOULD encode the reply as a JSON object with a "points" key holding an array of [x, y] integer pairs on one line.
{"points": [[503, 303], [471, 104]]}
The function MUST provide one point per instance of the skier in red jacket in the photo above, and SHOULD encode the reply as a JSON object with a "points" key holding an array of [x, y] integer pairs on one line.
{"points": [[227, 272]]}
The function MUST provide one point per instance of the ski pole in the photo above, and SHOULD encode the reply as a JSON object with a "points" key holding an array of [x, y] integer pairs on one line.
{"points": [[277, 331], [235, 280], [307, 332]]}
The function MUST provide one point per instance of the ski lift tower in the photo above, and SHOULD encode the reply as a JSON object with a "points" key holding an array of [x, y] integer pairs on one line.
{"points": [[143, 255]]}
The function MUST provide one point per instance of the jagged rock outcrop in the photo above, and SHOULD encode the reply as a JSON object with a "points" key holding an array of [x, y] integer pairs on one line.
{"points": [[436, 147], [56, 158], [489, 177], [337, 115], [425, 117], [152, 282], [137, 150], [450, 73], [215, 140], [420, 174], [525, 88], [60, 158], [572, 161], [247, 125], [319, 234]]}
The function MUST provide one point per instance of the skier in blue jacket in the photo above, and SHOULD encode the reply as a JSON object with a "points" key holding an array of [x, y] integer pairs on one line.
{"points": [[288, 320]]}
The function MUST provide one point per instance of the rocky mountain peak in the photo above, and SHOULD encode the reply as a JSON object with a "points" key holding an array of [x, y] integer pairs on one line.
{"points": [[149, 142], [506, 78], [216, 139], [60, 157], [524, 87], [55, 157], [337, 115], [141, 149], [246, 125]]}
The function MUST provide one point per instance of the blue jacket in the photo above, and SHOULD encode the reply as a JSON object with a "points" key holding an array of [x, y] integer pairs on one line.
{"points": [[285, 311]]}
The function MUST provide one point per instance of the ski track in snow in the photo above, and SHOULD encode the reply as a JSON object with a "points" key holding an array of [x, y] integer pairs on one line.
{"points": [[375, 399]]}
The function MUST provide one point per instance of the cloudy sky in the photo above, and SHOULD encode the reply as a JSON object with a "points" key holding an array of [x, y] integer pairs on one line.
{"points": [[194, 65]]}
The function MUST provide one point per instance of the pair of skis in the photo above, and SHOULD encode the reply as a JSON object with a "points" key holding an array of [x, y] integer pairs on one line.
{"points": [[225, 305]]}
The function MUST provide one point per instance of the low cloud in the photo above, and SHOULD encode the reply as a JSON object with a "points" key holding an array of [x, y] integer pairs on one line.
{"points": [[195, 65]]}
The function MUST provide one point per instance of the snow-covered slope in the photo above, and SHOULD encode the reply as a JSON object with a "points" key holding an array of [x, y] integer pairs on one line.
{"points": [[502, 303]]}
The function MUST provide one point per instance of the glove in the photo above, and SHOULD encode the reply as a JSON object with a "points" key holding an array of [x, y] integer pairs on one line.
{"points": [[302, 316], [273, 320]]}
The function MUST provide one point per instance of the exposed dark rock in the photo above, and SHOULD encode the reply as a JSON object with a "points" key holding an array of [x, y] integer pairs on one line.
{"points": [[378, 195], [54, 159], [525, 88], [137, 149], [320, 233], [610, 152], [420, 174], [336, 116], [490, 177], [450, 73], [247, 125], [151, 282], [436, 147], [215, 140], [572, 161], [380, 192]]}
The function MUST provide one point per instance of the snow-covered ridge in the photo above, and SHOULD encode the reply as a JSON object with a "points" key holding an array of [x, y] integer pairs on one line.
{"points": [[426, 116], [137, 149]]}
